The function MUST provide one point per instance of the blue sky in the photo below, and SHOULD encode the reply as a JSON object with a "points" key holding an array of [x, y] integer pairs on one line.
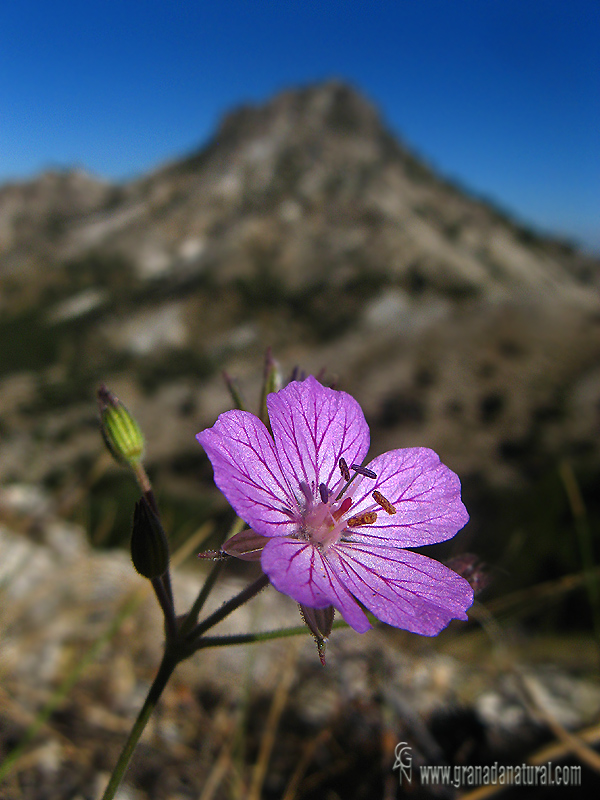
{"points": [[500, 95]]}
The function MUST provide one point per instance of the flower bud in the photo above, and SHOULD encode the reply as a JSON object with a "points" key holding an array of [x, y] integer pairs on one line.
{"points": [[272, 375], [320, 624], [120, 431], [271, 383], [149, 545]]}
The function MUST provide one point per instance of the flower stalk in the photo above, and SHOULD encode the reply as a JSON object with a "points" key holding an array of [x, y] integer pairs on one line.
{"points": [[329, 539]]}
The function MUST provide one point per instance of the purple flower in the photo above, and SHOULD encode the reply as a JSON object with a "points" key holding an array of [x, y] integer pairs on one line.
{"points": [[327, 541]]}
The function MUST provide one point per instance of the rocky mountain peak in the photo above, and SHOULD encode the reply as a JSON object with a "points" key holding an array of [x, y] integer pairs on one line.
{"points": [[306, 113], [306, 226]]}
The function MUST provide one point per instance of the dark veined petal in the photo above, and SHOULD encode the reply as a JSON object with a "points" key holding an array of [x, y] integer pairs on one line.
{"points": [[313, 427], [424, 492], [404, 589], [299, 570], [247, 471]]}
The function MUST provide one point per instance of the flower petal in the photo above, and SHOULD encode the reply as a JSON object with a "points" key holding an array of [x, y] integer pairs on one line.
{"points": [[247, 471], [424, 492], [402, 588], [313, 427], [299, 570]]}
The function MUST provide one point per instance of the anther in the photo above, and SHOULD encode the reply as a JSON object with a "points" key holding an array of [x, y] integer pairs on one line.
{"points": [[324, 492], [358, 470], [383, 502], [368, 473], [344, 469], [366, 518]]}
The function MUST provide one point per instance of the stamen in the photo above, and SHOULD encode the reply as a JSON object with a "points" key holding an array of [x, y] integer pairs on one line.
{"points": [[324, 492], [358, 470], [346, 503], [383, 502], [368, 473], [306, 491], [366, 518], [344, 469]]}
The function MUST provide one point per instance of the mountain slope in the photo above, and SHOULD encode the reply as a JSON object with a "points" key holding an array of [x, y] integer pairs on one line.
{"points": [[304, 225]]}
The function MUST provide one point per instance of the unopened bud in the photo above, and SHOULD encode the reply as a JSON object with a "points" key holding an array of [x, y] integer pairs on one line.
{"points": [[320, 623], [149, 545], [272, 375], [120, 431], [271, 383], [472, 570]]}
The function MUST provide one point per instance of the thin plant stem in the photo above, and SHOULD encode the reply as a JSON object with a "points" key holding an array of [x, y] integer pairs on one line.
{"points": [[261, 636], [167, 607], [166, 582], [194, 612], [234, 391], [143, 480], [165, 671], [246, 594], [162, 586], [177, 650]]}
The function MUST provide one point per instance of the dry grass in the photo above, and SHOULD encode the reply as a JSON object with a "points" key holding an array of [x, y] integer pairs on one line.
{"points": [[81, 639]]}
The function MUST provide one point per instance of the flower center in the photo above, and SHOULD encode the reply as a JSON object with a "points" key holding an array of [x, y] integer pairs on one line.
{"points": [[324, 521]]}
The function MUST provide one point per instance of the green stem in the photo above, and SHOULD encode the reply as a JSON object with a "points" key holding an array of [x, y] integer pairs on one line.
{"points": [[166, 582], [165, 671], [247, 594], [166, 603], [194, 612], [261, 636], [143, 481]]}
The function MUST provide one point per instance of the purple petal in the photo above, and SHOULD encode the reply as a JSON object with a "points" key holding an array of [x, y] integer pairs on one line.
{"points": [[424, 492], [404, 589], [299, 570], [313, 427], [247, 471]]}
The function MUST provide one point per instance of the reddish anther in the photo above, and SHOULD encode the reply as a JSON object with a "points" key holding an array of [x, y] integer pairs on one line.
{"points": [[366, 518], [383, 502]]}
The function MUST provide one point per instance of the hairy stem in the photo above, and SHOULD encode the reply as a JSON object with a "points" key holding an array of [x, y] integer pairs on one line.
{"points": [[165, 671], [246, 594]]}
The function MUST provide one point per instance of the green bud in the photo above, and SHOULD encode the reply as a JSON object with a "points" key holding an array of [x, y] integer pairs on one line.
{"points": [[149, 545], [271, 383], [120, 431], [272, 374]]}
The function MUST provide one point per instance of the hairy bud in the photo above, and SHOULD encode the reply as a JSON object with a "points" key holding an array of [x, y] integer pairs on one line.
{"points": [[320, 623], [149, 545], [120, 431]]}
